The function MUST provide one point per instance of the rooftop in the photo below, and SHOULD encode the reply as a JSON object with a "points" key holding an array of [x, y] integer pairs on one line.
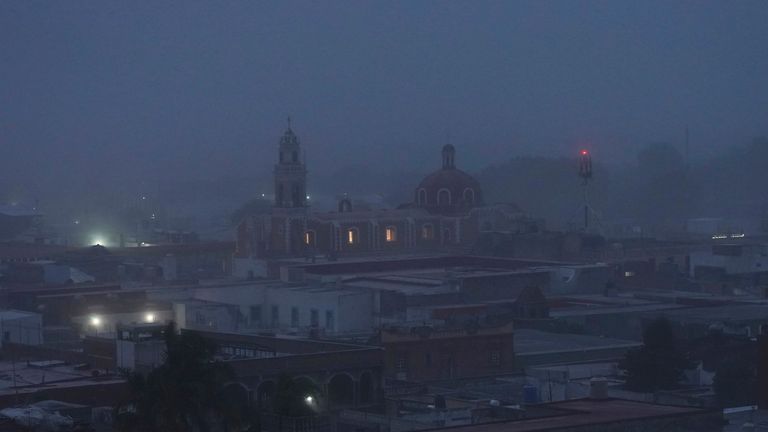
{"points": [[584, 413], [529, 342]]}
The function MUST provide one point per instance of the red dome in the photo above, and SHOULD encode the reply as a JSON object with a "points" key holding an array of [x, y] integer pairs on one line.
{"points": [[448, 189]]}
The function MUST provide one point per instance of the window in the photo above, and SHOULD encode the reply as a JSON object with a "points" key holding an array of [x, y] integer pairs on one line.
{"points": [[255, 314], [469, 196], [400, 362], [391, 234], [353, 236], [314, 318], [444, 197], [427, 231], [275, 316], [330, 321], [421, 197], [495, 358], [309, 238], [428, 359], [629, 273], [295, 156]]}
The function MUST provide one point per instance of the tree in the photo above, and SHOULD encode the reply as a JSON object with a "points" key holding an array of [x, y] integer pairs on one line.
{"points": [[659, 363], [735, 382], [182, 394]]}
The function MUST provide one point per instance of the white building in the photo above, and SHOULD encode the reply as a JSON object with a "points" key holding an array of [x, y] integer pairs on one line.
{"points": [[270, 306], [21, 327]]}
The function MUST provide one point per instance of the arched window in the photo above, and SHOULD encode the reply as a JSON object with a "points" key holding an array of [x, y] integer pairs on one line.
{"points": [[446, 235], [469, 196], [390, 234], [309, 238], [353, 236], [427, 231], [421, 197], [443, 197]]}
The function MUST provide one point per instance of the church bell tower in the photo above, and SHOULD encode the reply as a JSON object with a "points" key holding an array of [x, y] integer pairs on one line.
{"points": [[290, 173]]}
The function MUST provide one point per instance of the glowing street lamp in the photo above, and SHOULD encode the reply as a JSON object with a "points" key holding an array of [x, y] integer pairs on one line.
{"points": [[309, 399], [149, 317], [95, 321]]}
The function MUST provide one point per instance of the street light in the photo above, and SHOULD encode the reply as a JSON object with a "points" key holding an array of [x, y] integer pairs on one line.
{"points": [[309, 399], [149, 317], [95, 321]]}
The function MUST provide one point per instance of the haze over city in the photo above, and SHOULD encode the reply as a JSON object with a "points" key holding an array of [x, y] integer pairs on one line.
{"points": [[383, 216]]}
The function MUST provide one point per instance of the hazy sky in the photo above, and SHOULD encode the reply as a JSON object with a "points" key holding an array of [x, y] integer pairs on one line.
{"points": [[100, 90]]}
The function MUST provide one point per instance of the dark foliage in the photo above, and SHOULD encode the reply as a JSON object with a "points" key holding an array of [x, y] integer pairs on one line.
{"points": [[659, 363], [182, 394]]}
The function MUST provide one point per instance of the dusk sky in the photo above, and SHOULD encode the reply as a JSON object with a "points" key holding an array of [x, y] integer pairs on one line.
{"points": [[140, 90]]}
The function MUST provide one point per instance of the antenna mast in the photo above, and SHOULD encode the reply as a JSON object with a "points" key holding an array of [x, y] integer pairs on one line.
{"points": [[585, 172]]}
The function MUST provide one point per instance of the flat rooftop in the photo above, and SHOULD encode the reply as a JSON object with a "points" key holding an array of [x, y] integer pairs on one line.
{"points": [[725, 313], [419, 263], [34, 376], [529, 342], [584, 413]]}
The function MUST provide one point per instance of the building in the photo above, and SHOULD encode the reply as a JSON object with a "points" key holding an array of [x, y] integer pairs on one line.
{"points": [[428, 353], [448, 210], [604, 415], [732, 268], [20, 327], [346, 375]]}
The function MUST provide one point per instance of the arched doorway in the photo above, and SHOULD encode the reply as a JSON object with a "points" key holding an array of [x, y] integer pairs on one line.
{"points": [[265, 394], [341, 390]]}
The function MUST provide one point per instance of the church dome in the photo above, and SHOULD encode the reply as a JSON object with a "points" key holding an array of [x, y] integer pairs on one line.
{"points": [[448, 189]]}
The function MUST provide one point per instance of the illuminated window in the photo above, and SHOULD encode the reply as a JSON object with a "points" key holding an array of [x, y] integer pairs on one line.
{"points": [[390, 234], [427, 231], [353, 236], [309, 238], [629, 273]]}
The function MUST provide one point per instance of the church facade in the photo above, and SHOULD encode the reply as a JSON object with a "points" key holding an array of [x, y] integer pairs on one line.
{"points": [[448, 211]]}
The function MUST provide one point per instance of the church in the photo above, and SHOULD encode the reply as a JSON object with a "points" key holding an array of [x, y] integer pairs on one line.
{"points": [[448, 212]]}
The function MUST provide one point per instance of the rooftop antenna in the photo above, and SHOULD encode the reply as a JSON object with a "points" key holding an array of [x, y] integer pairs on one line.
{"points": [[289, 121], [585, 173]]}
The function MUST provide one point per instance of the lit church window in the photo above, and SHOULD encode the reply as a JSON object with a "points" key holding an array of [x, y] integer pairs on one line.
{"points": [[309, 238], [391, 234], [352, 236]]}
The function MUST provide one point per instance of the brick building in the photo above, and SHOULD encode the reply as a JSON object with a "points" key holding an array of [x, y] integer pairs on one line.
{"points": [[425, 353]]}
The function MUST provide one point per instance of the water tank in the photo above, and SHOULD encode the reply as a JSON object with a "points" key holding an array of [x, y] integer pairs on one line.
{"points": [[598, 388], [530, 394]]}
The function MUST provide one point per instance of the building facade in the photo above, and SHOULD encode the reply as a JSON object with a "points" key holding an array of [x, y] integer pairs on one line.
{"points": [[448, 209]]}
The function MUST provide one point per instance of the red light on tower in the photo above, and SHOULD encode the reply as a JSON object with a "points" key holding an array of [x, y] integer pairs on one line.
{"points": [[585, 166]]}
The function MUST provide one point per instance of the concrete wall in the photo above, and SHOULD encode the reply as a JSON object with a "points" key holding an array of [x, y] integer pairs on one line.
{"points": [[22, 328]]}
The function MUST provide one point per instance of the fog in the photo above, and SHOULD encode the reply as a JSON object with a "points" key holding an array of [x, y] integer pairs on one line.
{"points": [[101, 103]]}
